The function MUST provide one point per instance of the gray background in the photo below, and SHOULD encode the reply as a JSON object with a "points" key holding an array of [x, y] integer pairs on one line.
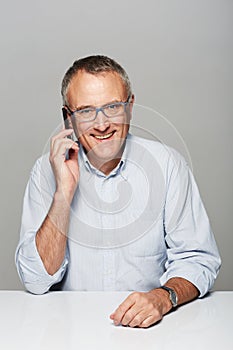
{"points": [[179, 57]]}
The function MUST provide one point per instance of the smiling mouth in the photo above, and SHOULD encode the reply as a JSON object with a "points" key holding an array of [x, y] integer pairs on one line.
{"points": [[104, 137]]}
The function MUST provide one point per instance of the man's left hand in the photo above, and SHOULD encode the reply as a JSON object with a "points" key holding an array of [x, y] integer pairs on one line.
{"points": [[142, 309]]}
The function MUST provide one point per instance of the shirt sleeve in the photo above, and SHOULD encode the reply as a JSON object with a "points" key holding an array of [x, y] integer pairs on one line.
{"points": [[192, 252], [37, 201]]}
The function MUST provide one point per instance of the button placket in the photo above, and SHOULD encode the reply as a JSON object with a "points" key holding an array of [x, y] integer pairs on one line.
{"points": [[108, 254]]}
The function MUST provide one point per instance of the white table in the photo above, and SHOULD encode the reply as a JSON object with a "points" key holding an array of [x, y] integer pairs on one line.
{"points": [[80, 320]]}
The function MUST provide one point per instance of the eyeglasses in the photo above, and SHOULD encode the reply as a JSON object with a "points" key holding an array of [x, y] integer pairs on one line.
{"points": [[110, 110]]}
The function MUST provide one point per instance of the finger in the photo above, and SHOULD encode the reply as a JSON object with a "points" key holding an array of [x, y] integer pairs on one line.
{"points": [[137, 319], [61, 145], [150, 317], [148, 321], [131, 314], [62, 134], [119, 313], [58, 155], [143, 318]]}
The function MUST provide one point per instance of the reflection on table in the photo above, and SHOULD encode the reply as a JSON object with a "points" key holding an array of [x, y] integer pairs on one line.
{"points": [[80, 320]]}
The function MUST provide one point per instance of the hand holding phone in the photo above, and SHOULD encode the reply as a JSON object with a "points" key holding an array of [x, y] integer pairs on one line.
{"points": [[66, 171]]}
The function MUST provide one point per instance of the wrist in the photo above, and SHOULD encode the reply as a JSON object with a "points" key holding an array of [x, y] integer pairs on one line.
{"points": [[162, 300], [166, 302], [63, 198]]}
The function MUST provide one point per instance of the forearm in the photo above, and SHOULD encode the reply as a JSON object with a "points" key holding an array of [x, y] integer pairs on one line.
{"points": [[51, 238], [184, 290]]}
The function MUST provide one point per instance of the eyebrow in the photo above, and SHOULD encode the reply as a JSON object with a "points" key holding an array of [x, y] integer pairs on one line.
{"points": [[91, 106]]}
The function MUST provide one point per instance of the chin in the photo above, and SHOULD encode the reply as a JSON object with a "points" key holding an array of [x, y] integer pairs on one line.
{"points": [[106, 154]]}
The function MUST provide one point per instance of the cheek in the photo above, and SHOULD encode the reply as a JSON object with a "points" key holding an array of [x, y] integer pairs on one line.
{"points": [[80, 130], [125, 128]]}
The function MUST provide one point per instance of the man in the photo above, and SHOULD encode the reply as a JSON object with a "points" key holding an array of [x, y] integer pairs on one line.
{"points": [[117, 212]]}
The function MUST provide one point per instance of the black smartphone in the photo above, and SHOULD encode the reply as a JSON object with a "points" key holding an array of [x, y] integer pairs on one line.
{"points": [[67, 122], [67, 126]]}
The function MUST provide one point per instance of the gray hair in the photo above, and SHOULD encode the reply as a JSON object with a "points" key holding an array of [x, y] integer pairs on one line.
{"points": [[94, 65]]}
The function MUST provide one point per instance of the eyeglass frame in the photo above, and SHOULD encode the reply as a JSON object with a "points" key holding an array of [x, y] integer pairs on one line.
{"points": [[98, 109]]}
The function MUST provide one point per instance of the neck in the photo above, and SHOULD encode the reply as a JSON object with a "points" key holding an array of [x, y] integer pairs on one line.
{"points": [[106, 165]]}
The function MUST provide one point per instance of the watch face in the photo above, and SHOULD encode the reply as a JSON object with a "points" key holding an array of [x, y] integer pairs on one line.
{"points": [[172, 295], [173, 298]]}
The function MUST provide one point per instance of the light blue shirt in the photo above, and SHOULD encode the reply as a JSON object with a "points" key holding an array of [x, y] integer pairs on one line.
{"points": [[133, 229]]}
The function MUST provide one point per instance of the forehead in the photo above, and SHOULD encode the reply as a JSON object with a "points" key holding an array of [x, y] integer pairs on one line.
{"points": [[95, 89]]}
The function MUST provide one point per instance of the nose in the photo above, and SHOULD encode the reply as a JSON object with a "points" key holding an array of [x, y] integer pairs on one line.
{"points": [[101, 122]]}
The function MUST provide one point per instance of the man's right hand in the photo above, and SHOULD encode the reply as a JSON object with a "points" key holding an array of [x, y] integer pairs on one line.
{"points": [[51, 238], [66, 172]]}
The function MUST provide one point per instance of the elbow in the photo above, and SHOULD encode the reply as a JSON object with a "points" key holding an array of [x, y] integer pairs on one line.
{"points": [[36, 289], [31, 282]]}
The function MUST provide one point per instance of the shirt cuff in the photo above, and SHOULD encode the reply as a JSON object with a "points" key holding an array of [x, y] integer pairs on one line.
{"points": [[32, 271], [198, 278]]}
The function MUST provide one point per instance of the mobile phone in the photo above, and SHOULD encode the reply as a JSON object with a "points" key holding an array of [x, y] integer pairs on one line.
{"points": [[67, 126], [67, 122]]}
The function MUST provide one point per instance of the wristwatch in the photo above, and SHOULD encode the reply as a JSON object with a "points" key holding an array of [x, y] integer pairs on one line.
{"points": [[172, 295]]}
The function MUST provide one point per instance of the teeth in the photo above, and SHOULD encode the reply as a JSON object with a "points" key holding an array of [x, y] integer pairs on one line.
{"points": [[104, 136]]}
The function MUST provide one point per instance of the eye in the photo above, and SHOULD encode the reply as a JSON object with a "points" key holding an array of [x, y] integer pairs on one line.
{"points": [[113, 107], [85, 111]]}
